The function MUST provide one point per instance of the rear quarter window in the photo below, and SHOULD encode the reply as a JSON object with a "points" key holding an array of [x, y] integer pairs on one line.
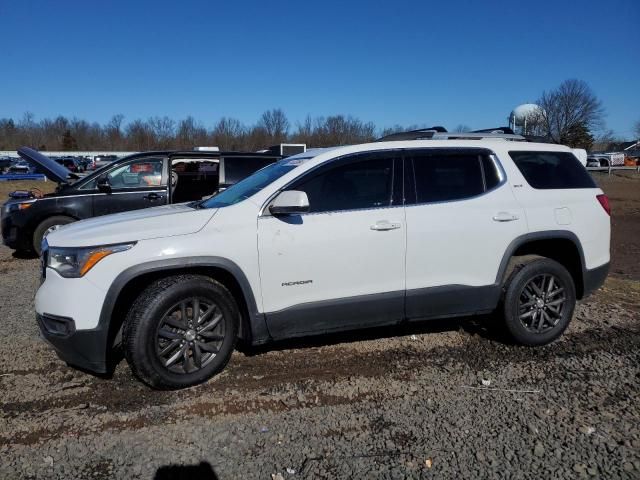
{"points": [[552, 170]]}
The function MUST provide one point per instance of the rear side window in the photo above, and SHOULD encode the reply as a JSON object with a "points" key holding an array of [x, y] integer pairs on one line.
{"points": [[441, 177], [549, 170]]}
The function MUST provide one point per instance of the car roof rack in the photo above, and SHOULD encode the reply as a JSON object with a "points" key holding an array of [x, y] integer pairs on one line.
{"points": [[439, 133]]}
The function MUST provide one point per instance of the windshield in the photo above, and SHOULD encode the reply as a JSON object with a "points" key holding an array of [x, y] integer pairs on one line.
{"points": [[251, 185]]}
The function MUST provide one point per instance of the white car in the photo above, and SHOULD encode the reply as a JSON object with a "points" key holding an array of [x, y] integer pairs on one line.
{"points": [[329, 240]]}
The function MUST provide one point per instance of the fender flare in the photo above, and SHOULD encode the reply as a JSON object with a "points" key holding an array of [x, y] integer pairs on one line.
{"points": [[533, 236], [256, 321]]}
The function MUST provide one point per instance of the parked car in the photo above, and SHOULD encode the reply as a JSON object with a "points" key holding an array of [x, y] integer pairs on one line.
{"points": [[100, 161], [20, 168], [139, 181], [606, 159], [330, 240], [70, 164], [5, 164]]}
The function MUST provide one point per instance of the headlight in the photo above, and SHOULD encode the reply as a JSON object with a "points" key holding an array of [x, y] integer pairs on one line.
{"points": [[75, 262]]}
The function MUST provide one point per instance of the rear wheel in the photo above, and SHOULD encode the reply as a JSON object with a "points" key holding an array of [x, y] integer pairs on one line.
{"points": [[539, 301], [46, 227], [181, 331]]}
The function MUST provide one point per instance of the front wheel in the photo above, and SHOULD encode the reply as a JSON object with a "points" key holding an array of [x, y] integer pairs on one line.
{"points": [[539, 301], [46, 227], [181, 331]]}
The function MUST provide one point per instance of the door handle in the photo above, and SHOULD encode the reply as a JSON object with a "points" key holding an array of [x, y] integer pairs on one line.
{"points": [[153, 196], [384, 225], [505, 217]]}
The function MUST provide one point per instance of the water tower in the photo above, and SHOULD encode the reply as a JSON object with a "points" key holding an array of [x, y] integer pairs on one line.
{"points": [[522, 116]]}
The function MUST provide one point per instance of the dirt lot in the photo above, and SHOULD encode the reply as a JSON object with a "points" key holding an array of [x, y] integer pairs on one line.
{"points": [[383, 404]]}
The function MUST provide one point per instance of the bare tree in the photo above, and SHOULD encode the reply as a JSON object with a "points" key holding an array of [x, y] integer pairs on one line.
{"points": [[462, 128], [636, 129], [163, 130], [572, 104], [275, 124], [229, 134], [113, 132]]}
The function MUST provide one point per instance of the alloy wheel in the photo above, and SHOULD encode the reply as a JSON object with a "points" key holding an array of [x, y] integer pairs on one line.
{"points": [[190, 335], [541, 303], [49, 230]]}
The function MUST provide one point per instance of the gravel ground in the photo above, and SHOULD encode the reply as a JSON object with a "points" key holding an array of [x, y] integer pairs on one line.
{"points": [[446, 399]]}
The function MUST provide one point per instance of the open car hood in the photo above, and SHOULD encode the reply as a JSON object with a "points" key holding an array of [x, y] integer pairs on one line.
{"points": [[52, 169]]}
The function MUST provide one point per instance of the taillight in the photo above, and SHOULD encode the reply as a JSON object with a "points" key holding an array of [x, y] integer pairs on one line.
{"points": [[604, 201]]}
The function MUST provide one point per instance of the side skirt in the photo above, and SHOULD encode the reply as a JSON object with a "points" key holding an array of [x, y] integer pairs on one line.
{"points": [[450, 301], [381, 309]]}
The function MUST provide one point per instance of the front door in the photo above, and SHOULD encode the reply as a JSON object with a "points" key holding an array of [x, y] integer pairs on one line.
{"points": [[140, 183], [341, 265]]}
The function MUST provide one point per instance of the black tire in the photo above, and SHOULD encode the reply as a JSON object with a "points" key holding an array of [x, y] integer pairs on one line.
{"points": [[533, 315], [147, 318], [38, 233]]}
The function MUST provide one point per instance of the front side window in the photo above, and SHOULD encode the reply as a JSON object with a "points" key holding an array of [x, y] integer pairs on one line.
{"points": [[349, 186], [550, 170], [442, 177], [143, 172]]}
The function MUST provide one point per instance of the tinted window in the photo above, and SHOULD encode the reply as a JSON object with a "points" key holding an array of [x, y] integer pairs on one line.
{"points": [[443, 177], [548, 170], [237, 168], [353, 185]]}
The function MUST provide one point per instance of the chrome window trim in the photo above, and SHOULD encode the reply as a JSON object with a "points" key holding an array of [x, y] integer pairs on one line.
{"points": [[164, 190], [502, 176]]}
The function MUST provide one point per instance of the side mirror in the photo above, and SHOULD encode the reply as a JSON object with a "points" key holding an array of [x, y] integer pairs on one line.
{"points": [[103, 184], [290, 202]]}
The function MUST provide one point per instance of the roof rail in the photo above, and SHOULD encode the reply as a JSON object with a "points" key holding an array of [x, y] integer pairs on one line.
{"points": [[420, 134], [478, 136], [432, 134], [494, 130]]}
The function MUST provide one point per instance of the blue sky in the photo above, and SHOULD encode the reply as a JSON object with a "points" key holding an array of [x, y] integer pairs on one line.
{"points": [[449, 63]]}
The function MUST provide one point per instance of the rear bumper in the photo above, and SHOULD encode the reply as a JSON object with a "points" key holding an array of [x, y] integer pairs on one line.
{"points": [[85, 349], [594, 279]]}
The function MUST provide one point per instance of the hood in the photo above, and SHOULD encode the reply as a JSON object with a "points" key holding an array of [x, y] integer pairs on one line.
{"points": [[145, 224], [52, 169]]}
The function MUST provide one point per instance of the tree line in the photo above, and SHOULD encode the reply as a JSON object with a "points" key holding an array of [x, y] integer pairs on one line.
{"points": [[570, 114], [160, 133]]}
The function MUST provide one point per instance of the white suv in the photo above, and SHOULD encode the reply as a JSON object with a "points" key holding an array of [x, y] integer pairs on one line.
{"points": [[329, 240]]}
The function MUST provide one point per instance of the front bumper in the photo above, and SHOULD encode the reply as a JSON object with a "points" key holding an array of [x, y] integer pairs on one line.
{"points": [[593, 279], [13, 235], [85, 349]]}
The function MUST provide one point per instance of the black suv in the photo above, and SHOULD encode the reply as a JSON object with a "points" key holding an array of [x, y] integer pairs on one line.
{"points": [[142, 180]]}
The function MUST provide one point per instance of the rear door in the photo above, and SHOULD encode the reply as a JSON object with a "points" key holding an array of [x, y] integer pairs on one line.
{"points": [[139, 183], [341, 265], [458, 229]]}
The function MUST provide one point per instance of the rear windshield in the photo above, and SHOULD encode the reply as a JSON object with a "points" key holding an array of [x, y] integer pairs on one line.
{"points": [[549, 170]]}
